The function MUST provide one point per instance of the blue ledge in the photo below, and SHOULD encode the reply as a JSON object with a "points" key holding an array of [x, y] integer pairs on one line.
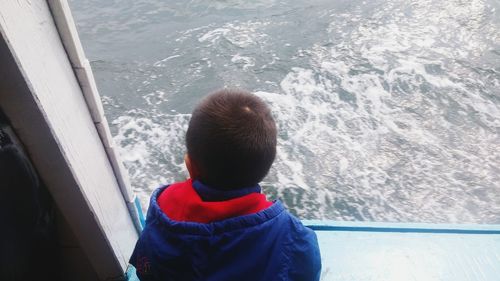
{"points": [[326, 225], [405, 251], [131, 274]]}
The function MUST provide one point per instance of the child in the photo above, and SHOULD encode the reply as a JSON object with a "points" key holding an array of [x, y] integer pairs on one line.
{"points": [[217, 225]]}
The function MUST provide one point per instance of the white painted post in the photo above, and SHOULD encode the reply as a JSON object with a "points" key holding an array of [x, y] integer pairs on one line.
{"points": [[57, 125], [71, 42]]}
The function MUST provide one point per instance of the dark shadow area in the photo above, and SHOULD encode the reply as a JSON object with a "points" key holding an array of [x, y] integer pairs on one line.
{"points": [[28, 237]]}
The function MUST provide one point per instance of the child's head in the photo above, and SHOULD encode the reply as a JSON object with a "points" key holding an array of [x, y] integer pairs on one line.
{"points": [[231, 140]]}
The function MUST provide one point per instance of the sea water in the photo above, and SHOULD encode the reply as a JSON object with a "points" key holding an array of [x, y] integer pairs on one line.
{"points": [[387, 110]]}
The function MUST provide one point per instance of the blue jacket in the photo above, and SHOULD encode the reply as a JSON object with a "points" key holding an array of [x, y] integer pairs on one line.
{"points": [[268, 245]]}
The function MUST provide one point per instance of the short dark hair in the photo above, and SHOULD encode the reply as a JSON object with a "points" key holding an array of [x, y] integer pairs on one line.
{"points": [[231, 138]]}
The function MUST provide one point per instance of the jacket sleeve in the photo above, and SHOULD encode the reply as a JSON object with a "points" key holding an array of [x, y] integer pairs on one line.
{"points": [[306, 258], [140, 259], [145, 254]]}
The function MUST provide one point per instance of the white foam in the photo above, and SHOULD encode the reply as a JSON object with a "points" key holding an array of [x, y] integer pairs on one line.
{"points": [[152, 147], [244, 61], [162, 62], [241, 34], [385, 122]]}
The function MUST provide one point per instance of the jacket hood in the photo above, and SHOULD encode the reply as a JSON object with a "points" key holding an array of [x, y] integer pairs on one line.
{"points": [[157, 216]]}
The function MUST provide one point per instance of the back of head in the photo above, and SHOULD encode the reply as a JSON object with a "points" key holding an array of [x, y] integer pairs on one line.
{"points": [[231, 139]]}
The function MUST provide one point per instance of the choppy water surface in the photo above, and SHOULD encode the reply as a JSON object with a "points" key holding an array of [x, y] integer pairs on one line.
{"points": [[387, 110]]}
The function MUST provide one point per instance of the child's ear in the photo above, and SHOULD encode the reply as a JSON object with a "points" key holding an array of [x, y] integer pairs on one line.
{"points": [[191, 167]]}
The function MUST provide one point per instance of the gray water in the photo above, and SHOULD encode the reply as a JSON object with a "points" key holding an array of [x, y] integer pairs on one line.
{"points": [[387, 110]]}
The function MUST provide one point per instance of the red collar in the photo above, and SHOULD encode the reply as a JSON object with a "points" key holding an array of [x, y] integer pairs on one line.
{"points": [[180, 202]]}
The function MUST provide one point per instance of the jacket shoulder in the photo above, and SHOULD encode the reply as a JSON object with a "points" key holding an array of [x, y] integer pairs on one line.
{"points": [[304, 253]]}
